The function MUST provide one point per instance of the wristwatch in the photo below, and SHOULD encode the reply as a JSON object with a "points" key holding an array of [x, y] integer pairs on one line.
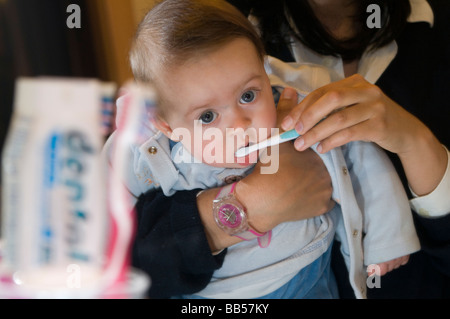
{"points": [[231, 217]]}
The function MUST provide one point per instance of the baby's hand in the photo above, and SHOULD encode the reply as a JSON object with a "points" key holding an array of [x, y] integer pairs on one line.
{"points": [[390, 265]]}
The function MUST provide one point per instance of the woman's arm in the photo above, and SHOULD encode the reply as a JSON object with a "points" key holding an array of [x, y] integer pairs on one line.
{"points": [[300, 189]]}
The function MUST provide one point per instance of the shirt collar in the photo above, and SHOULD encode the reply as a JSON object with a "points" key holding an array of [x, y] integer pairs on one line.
{"points": [[421, 12]]}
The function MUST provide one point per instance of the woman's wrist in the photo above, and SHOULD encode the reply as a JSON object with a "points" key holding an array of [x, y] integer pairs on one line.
{"points": [[424, 162], [254, 206], [217, 238], [436, 203]]}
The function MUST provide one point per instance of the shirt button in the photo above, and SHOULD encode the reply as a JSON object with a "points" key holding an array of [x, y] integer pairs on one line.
{"points": [[355, 233], [344, 170], [232, 179], [152, 150]]}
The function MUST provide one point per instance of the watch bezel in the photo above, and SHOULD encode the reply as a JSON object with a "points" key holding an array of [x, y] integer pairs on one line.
{"points": [[229, 199]]}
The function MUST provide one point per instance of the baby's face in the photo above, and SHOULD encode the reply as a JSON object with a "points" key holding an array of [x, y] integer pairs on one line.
{"points": [[219, 103]]}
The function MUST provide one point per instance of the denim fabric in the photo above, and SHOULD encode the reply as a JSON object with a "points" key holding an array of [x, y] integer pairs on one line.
{"points": [[315, 281]]}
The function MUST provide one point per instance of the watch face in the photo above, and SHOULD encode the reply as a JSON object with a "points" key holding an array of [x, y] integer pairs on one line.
{"points": [[230, 216]]}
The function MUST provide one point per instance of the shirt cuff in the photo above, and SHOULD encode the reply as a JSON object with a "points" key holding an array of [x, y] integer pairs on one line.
{"points": [[437, 203]]}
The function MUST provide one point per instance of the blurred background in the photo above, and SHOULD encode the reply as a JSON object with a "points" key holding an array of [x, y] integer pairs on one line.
{"points": [[35, 41]]}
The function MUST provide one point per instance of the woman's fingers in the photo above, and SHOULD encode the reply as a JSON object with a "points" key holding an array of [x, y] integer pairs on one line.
{"points": [[341, 127], [325, 100], [288, 101]]}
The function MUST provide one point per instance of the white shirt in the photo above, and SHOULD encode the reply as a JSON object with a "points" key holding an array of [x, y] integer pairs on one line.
{"points": [[371, 66]]}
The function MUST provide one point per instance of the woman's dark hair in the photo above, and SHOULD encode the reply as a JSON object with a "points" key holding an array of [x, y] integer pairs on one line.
{"points": [[276, 30]]}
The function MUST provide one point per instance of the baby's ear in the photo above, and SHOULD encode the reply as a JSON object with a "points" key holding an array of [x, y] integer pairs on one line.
{"points": [[163, 126]]}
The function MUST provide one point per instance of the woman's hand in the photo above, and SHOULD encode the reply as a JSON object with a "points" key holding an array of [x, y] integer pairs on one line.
{"points": [[300, 189], [353, 109]]}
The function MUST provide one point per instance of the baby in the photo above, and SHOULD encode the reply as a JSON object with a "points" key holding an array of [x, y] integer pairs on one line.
{"points": [[206, 62]]}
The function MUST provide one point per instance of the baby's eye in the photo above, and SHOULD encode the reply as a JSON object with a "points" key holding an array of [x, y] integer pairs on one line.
{"points": [[208, 117], [248, 97]]}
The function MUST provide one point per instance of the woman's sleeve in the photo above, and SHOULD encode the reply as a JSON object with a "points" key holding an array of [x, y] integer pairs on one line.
{"points": [[171, 245], [437, 203]]}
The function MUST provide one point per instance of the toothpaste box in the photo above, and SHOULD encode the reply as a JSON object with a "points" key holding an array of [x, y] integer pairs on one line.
{"points": [[54, 214]]}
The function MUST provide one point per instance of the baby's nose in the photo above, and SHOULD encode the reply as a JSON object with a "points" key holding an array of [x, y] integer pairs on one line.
{"points": [[242, 119]]}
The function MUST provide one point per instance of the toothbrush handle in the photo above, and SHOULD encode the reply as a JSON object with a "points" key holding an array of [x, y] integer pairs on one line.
{"points": [[278, 139], [289, 135]]}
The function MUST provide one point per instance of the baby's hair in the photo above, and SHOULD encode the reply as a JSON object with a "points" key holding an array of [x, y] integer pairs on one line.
{"points": [[175, 31]]}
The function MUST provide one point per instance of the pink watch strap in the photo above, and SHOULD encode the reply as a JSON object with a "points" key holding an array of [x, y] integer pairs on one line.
{"points": [[263, 238], [227, 189]]}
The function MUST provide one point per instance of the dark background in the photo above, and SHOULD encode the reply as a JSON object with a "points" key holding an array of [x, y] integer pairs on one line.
{"points": [[35, 41]]}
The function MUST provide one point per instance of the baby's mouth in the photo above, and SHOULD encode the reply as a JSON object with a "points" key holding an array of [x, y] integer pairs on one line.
{"points": [[248, 159], [247, 145]]}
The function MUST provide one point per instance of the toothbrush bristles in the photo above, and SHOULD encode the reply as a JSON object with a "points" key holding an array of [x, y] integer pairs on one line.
{"points": [[242, 152]]}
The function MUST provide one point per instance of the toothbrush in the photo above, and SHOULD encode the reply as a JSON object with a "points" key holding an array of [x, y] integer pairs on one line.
{"points": [[274, 140]]}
